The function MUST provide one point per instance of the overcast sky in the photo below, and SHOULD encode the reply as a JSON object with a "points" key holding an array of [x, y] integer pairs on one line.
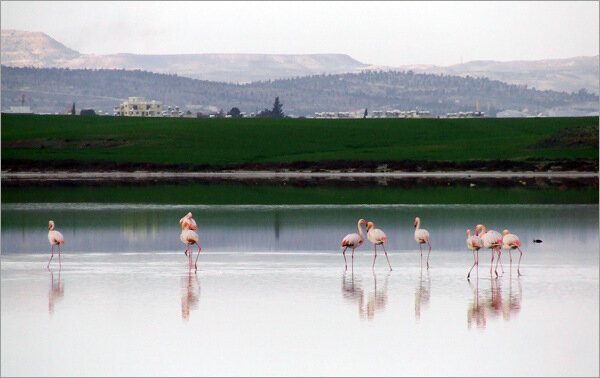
{"points": [[382, 33]]}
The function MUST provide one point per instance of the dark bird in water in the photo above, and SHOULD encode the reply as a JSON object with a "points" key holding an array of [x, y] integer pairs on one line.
{"points": [[537, 241]]}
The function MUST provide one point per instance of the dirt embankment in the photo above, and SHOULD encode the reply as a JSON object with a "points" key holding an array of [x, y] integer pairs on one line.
{"points": [[558, 165]]}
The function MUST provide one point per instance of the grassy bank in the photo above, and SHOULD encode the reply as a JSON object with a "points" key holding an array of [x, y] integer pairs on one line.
{"points": [[196, 142]]}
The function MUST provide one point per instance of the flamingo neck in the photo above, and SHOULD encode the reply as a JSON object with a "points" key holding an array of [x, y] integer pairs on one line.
{"points": [[360, 231], [468, 233], [418, 224]]}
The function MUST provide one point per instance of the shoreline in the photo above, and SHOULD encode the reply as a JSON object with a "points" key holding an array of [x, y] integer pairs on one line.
{"points": [[278, 175]]}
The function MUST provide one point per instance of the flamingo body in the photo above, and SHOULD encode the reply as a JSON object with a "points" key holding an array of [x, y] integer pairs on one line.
{"points": [[492, 240], [377, 237], [189, 237], [474, 243], [55, 238], [353, 241], [422, 237], [510, 242]]}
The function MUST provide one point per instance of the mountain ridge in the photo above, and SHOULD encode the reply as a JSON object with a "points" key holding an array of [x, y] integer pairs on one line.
{"points": [[37, 49]]}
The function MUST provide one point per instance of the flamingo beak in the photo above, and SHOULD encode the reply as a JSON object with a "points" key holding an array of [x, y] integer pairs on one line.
{"points": [[415, 225]]}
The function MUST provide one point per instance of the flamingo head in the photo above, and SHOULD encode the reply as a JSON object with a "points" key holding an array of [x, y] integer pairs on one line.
{"points": [[370, 225], [184, 223], [479, 229], [362, 221], [188, 215], [417, 221], [468, 233], [51, 225], [505, 232]]}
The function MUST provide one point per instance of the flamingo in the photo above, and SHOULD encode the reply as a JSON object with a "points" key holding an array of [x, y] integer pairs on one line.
{"points": [[189, 237], [55, 238], [510, 242], [474, 243], [377, 237], [422, 237], [191, 224], [493, 240], [353, 241]]}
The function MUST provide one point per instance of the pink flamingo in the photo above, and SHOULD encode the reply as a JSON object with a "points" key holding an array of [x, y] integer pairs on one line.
{"points": [[191, 223], [474, 243], [189, 237], [510, 242], [377, 237], [493, 240], [353, 241], [55, 238], [422, 237]]}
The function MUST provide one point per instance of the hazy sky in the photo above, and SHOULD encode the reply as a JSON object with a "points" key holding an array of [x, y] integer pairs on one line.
{"points": [[383, 33]]}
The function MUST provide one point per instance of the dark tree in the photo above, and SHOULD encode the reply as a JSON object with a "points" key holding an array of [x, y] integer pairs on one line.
{"points": [[87, 112], [277, 111], [265, 113], [234, 112], [365, 115], [73, 109]]}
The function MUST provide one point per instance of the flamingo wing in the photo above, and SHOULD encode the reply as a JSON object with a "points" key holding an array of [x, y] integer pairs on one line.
{"points": [[421, 235], [351, 240]]}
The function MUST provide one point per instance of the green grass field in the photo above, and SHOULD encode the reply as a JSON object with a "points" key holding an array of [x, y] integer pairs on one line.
{"points": [[235, 141]]}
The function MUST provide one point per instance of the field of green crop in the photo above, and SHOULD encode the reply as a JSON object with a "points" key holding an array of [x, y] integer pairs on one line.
{"points": [[226, 141]]}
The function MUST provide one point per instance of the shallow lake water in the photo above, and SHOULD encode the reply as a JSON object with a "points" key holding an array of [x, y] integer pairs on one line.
{"points": [[271, 295]]}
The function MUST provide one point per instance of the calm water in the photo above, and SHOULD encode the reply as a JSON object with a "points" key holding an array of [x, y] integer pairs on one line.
{"points": [[271, 296]]}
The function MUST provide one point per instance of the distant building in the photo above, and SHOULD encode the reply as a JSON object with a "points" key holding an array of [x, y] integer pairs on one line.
{"points": [[139, 107], [19, 110]]}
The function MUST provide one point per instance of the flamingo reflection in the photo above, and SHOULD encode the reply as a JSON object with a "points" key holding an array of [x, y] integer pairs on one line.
{"points": [[491, 304], [56, 292], [355, 294], [422, 294], [352, 290], [377, 299], [190, 295]]}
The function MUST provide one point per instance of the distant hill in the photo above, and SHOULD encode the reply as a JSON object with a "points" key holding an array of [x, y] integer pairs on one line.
{"points": [[28, 49], [568, 75], [52, 90]]}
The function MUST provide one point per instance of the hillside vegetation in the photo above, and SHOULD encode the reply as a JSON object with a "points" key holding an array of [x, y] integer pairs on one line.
{"points": [[52, 90], [202, 142]]}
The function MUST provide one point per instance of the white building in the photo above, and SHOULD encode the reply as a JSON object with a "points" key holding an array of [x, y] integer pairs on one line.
{"points": [[139, 107]]}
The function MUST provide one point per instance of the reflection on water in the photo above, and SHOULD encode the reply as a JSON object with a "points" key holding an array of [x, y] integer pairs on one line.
{"points": [[422, 293], [491, 304], [190, 294], [353, 293], [56, 292]]}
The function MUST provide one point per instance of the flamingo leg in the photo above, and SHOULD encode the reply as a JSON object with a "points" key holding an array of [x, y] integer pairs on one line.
{"points": [[386, 256], [519, 266], [375, 257], [198, 255], [472, 266], [421, 249], [59, 259], [344, 253], [190, 258], [510, 256], [498, 252], [428, 254], [51, 256], [352, 261], [492, 265], [499, 259]]}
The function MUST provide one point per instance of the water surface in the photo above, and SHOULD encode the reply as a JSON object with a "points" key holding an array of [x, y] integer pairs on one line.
{"points": [[271, 296]]}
